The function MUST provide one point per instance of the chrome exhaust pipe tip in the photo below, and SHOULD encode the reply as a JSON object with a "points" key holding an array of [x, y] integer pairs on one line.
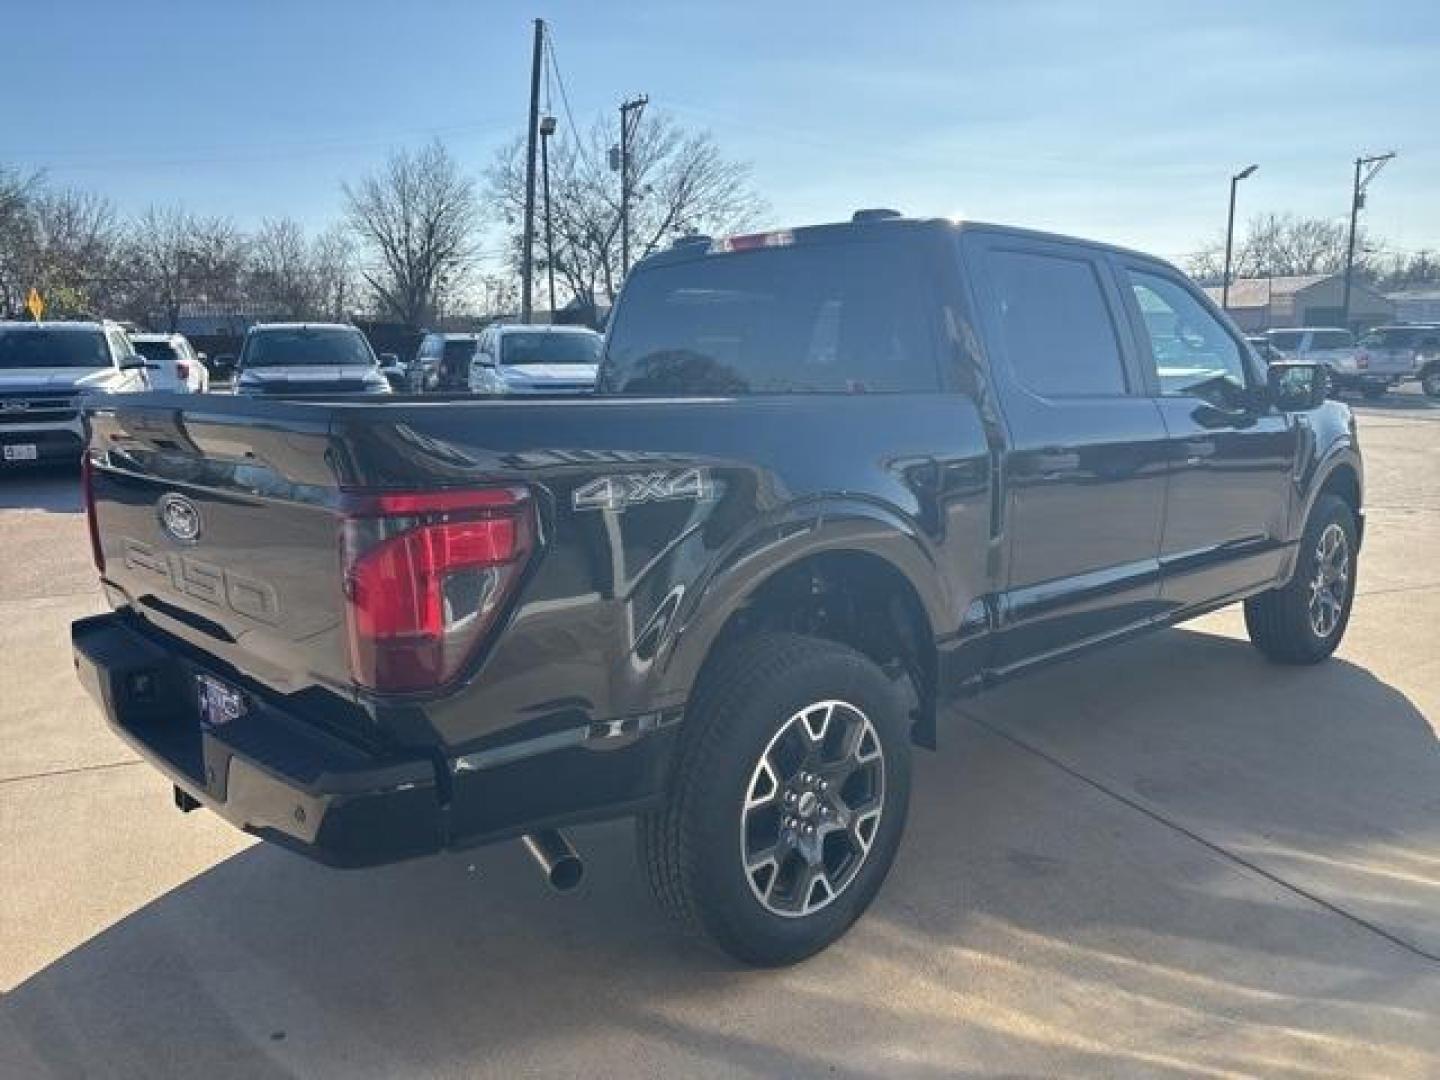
{"points": [[556, 857]]}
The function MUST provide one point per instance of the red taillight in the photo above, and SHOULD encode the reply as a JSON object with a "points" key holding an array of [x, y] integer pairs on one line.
{"points": [[87, 487], [182, 369], [1362, 360], [426, 574]]}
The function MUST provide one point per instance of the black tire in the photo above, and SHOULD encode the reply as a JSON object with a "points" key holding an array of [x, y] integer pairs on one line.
{"points": [[693, 847], [1282, 623], [1430, 380], [1374, 391]]}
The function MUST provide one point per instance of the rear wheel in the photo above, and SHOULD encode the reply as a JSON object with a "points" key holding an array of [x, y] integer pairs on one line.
{"points": [[788, 800], [1303, 622]]}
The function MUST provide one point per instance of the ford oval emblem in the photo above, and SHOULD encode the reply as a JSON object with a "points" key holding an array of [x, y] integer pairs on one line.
{"points": [[180, 518]]}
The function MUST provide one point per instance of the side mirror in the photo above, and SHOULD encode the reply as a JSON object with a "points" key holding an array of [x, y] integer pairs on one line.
{"points": [[389, 360], [1296, 387]]}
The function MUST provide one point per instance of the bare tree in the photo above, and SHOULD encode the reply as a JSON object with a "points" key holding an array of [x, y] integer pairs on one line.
{"points": [[17, 190], [62, 242], [280, 268], [332, 262], [416, 219], [172, 256], [681, 183], [1283, 245], [1408, 271]]}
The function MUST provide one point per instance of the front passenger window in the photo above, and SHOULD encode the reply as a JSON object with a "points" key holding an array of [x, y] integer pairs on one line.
{"points": [[1194, 355]]}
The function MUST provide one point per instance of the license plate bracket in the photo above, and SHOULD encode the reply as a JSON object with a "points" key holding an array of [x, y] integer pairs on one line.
{"points": [[220, 703], [21, 452]]}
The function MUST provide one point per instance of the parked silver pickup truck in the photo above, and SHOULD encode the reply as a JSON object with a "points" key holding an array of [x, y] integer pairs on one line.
{"points": [[1333, 347], [1402, 353]]}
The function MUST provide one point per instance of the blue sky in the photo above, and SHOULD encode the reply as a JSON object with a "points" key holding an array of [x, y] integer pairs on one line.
{"points": [[1120, 121]]}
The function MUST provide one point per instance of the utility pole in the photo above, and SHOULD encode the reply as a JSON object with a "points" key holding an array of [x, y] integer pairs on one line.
{"points": [[527, 262], [1230, 235], [630, 112], [1371, 166], [547, 128]]}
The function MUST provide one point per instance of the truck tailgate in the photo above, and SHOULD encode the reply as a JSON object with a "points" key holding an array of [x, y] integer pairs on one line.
{"points": [[222, 531]]}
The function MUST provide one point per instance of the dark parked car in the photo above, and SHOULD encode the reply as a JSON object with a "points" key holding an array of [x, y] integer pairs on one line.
{"points": [[442, 363], [831, 479], [302, 359]]}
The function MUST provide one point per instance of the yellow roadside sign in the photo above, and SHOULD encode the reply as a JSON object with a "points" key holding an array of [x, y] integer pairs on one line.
{"points": [[35, 305]]}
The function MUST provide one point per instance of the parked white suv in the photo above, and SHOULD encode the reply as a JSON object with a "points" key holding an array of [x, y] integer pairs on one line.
{"points": [[181, 370], [45, 367], [528, 359]]}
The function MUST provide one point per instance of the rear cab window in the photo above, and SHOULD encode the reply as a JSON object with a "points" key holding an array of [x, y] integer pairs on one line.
{"points": [[1400, 337], [1332, 339], [158, 351], [459, 349], [852, 315]]}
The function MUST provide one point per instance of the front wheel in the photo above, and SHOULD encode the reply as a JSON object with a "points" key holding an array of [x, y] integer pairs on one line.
{"points": [[788, 800], [1303, 621]]}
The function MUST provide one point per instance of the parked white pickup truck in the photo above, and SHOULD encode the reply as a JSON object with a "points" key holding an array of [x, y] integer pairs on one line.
{"points": [[45, 367]]}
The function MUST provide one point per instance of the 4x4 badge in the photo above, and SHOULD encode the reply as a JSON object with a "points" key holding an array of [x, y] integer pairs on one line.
{"points": [[633, 489]]}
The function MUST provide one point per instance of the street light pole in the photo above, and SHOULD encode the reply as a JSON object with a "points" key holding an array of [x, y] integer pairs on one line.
{"points": [[1230, 235], [1357, 199], [547, 128], [627, 131]]}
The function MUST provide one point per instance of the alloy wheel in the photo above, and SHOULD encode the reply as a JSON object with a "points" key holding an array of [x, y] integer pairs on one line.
{"points": [[812, 808], [1330, 585]]}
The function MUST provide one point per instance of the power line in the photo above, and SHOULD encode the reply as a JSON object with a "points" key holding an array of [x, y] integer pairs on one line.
{"points": [[554, 65], [309, 148]]}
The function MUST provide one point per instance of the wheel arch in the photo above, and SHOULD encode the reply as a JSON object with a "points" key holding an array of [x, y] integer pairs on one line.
{"points": [[812, 572], [1340, 472]]}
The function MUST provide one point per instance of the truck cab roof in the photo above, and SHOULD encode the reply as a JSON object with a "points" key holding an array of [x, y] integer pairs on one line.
{"points": [[865, 223]]}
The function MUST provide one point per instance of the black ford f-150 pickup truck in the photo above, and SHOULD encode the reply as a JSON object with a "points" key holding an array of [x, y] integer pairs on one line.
{"points": [[832, 477]]}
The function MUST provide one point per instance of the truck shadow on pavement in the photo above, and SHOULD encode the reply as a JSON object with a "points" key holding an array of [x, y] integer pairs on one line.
{"points": [[1169, 859], [52, 488]]}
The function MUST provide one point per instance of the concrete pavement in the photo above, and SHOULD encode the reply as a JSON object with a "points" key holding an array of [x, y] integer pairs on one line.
{"points": [[1167, 859]]}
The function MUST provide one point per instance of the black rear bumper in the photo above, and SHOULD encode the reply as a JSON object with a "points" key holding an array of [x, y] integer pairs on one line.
{"points": [[267, 772], [277, 774]]}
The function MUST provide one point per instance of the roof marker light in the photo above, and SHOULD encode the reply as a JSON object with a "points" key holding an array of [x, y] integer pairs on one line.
{"points": [[753, 241]]}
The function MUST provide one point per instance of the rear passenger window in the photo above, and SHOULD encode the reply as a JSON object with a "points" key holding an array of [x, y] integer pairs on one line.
{"points": [[1055, 324]]}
